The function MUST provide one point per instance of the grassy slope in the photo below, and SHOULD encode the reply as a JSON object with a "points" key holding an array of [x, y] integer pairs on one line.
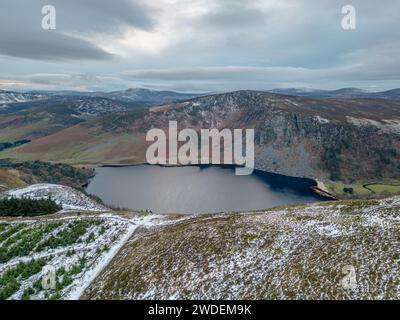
{"points": [[10, 178], [83, 145], [287, 253], [14, 133]]}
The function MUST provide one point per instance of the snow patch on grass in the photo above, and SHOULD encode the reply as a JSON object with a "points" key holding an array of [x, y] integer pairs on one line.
{"points": [[70, 199]]}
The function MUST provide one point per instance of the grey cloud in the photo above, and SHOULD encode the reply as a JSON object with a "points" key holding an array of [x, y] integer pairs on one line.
{"points": [[233, 14], [294, 33], [241, 74], [209, 45], [21, 34], [51, 47], [233, 73], [61, 81], [69, 79], [219, 78], [103, 16]]}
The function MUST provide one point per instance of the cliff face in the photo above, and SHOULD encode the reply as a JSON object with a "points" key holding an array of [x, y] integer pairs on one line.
{"points": [[295, 144], [338, 140]]}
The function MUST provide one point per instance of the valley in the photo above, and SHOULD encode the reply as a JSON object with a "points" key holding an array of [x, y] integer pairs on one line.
{"points": [[195, 158], [343, 142]]}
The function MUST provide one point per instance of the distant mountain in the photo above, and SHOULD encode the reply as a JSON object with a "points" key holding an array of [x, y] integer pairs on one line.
{"points": [[7, 97], [81, 107], [39, 118], [348, 93], [147, 97], [11, 101], [298, 92], [136, 96], [344, 93], [39, 113], [390, 94]]}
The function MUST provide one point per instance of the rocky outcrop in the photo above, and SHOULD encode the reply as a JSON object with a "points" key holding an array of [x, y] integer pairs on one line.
{"points": [[303, 137]]}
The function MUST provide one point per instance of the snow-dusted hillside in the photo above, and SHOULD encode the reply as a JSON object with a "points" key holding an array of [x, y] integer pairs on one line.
{"points": [[17, 97], [303, 252], [148, 97], [70, 199], [96, 107]]}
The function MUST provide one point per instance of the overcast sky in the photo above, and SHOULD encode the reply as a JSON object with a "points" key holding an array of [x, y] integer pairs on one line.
{"points": [[199, 45]]}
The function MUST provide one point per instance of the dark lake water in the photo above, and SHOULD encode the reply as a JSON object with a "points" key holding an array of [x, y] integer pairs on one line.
{"points": [[196, 189]]}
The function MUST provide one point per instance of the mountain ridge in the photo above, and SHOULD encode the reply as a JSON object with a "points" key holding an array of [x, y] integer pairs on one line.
{"points": [[131, 94]]}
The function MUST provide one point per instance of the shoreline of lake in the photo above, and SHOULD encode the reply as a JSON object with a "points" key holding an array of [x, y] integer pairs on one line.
{"points": [[277, 189], [317, 187]]}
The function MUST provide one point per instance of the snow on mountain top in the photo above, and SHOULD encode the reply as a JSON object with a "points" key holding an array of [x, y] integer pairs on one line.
{"points": [[16, 97], [69, 198]]}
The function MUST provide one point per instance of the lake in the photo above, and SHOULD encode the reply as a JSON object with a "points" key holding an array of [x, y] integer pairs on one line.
{"points": [[196, 189]]}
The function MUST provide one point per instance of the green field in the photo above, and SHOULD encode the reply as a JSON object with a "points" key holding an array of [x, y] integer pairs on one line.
{"points": [[379, 188], [363, 189]]}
